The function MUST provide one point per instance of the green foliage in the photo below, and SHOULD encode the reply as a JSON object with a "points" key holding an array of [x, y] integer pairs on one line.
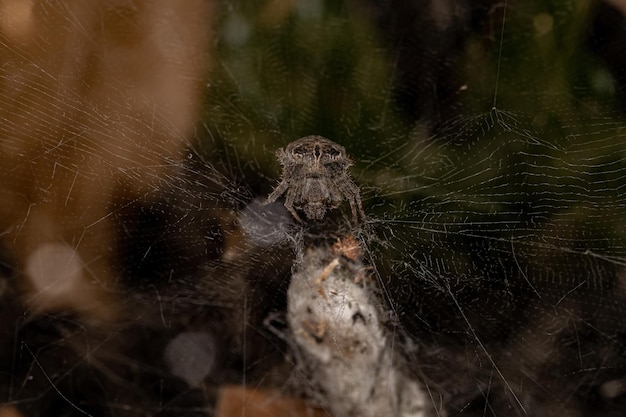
{"points": [[551, 150]]}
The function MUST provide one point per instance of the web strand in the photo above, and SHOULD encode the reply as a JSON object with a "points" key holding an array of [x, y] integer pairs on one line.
{"points": [[495, 93]]}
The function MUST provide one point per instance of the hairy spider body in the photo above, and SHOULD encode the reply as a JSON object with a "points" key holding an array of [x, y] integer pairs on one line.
{"points": [[315, 178]]}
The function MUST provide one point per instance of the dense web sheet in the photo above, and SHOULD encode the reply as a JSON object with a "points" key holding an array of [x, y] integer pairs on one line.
{"points": [[142, 273]]}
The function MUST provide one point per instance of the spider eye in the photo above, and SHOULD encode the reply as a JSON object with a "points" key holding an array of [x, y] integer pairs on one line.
{"points": [[333, 152], [300, 151]]}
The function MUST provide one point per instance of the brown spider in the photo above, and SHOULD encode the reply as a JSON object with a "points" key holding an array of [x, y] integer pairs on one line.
{"points": [[316, 178]]}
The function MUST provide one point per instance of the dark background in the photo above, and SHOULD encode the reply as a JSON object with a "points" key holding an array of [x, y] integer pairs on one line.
{"points": [[488, 141]]}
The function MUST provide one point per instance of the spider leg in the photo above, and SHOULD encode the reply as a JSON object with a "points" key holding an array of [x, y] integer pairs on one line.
{"points": [[278, 191], [281, 155], [352, 193], [289, 206], [357, 198]]}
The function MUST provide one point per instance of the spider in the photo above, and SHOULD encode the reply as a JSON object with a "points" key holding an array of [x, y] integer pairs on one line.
{"points": [[316, 178]]}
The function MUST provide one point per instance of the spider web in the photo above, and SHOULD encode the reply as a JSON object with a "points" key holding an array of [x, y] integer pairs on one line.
{"points": [[488, 141]]}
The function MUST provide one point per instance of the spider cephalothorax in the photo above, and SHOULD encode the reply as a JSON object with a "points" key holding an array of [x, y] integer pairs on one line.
{"points": [[315, 178]]}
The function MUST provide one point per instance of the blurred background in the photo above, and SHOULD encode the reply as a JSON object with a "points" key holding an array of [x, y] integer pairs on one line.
{"points": [[139, 274]]}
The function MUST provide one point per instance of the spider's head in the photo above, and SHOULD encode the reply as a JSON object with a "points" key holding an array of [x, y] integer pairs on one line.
{"points": [[317, 153]]}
